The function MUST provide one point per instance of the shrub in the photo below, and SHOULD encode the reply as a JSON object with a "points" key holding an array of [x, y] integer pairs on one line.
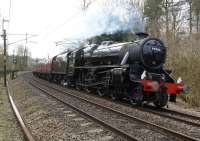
{"points": [[184, 60]]}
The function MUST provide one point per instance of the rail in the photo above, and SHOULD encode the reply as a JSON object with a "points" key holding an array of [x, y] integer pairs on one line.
{"points": [[169, 131], [20, 120]]}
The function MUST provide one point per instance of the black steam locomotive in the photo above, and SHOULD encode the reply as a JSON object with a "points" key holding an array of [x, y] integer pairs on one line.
{"points": [[131, 70]]}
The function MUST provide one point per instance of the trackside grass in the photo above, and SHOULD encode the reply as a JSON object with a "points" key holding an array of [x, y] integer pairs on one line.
{"points": [[9, 128]]}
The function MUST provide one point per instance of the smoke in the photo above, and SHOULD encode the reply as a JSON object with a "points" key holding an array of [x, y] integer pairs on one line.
{"points": [[108, 17], [104, 17]]}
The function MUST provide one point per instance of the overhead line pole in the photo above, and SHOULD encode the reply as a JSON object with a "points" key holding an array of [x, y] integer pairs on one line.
{"points": [[25, 53], [4, 57]]}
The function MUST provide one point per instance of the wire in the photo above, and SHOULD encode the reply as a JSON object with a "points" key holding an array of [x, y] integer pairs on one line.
{"points": [[22, 40], [61, 25], [21, 34]]}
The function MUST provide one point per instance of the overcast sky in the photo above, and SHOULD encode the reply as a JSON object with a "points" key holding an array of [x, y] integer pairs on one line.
{"points": [[51, 20]]}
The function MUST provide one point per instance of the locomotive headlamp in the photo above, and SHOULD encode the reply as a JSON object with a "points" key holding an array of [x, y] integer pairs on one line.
{"points": [[143, 76], [163, 77], [179, 80]]}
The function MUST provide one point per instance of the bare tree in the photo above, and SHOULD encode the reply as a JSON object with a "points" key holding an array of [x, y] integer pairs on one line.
{"points": [[196, 11], [1, 57], [166, 6], [177, 19], [22, 57], [153, 11], [190, 14], [85, 4]]}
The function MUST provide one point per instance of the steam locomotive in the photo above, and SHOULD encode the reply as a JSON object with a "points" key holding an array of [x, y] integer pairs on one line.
{"points": [[131, 70]]}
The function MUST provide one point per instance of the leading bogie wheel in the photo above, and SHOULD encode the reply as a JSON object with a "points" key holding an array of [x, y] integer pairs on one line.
{"points": [[161, 101], [114, 96], [101, 92]]}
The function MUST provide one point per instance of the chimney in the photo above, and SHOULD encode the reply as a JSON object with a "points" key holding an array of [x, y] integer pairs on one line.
{"points": [[142, 35]]}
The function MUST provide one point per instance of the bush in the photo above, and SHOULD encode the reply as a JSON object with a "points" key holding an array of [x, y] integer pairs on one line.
{"points": [[184, 60]]}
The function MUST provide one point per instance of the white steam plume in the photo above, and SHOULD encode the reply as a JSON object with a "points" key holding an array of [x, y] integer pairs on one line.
{"points": [[106, 17], [109, 16]]}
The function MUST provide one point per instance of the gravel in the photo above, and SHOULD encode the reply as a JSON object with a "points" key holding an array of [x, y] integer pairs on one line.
{"points": [[156, 119], [50, 120], [129, 126]]}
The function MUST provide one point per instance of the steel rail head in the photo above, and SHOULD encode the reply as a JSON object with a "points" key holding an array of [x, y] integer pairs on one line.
{"points": [[166, 130], [174, 112], [101, 122], [171, 117], [24, 128]]}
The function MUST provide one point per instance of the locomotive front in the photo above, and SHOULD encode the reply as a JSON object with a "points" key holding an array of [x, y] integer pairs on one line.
{"points": [[150, 81], [150, 52]]}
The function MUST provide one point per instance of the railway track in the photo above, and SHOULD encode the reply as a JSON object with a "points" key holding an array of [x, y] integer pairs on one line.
{"points": [[175, 115], [152, 126], [175, 112], [171, 114], [108, 126], [19, 118]]}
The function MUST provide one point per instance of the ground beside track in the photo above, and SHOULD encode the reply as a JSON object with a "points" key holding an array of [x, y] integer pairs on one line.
{"points": [[9, 128], [175, 125], [184, 107], [50, 120]]}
